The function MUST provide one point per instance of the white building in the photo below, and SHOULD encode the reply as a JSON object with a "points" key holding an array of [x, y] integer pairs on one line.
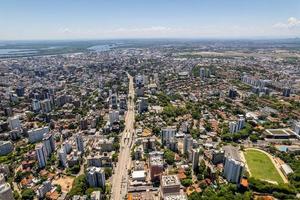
{"points": [[94, 160], [168, 134], [156, 78], [79, 143], [15, 134], [142, 105], [140, 91], [49, 143], [62, 157], [5, 147], [139, 175], [14, 122], [175, 197], [286, 169], [6, 192], [233, 166], [36, 135], [195, 158], [233, 170], [139, 80], [156, 165], [41, 154], [96, 177], [233, 127], [236, 126], [187, 143], [5, 169], [114, 101], [67, 146], [78, 197], [297, 128], [241, 123], [2, 179], [36, 105], [73, 158], [96, 195], [46, 105], [202, 72], [104, 145], [114, 116], [44, 188], [146, 79], [170, 184]]}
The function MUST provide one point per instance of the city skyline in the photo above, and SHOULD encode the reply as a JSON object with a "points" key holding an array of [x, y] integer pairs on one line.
{"points": [[57, 20], [149, 100]]}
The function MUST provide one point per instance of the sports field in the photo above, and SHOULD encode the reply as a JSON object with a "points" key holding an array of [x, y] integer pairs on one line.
{"points": [[261, 166]]}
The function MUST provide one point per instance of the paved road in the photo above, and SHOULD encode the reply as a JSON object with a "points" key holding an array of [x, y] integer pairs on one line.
{"points": [[120, 178]]}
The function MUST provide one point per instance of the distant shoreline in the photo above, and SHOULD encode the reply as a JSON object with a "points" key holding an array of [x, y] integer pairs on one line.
{"points": [[17, 49]]}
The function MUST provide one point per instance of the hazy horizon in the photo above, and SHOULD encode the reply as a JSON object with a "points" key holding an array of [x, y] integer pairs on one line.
{"points": [[154, 39], [133, 19]]}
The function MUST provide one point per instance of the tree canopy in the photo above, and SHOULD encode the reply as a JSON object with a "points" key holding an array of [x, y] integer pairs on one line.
{"points": [[169, 156]]}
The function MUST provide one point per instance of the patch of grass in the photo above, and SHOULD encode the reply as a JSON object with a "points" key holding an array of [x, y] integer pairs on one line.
{"points": [[261, 166]]}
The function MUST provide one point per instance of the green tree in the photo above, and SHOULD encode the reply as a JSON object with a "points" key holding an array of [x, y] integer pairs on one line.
{"points": [[186, 182], [115, 157], [79, 186], [195, 196], [156, 130], [92, 189], [20, 175], [169, 156], [108, 172], [116, 146], [58, 189], [28, 194], [265, 187], [253, 138], [75, 169], [72, 126], [16, 195]]}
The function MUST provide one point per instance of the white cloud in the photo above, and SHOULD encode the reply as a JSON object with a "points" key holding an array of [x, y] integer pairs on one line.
{"points": [[158, 29], [290, 28], [65, 30], [117, 32], [292, 22]]}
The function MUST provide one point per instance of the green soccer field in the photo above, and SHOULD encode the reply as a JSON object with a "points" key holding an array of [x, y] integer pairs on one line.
{"points": [[261, 166]]}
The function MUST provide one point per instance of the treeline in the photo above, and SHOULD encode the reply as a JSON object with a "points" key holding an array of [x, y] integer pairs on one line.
{"points": [[224, 192], [281, 191], [292, 159], [242, 134], [233, 192]]}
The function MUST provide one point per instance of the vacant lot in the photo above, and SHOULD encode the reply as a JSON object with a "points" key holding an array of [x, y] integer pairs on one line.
{"points": [[261, 166], [65, 182]]}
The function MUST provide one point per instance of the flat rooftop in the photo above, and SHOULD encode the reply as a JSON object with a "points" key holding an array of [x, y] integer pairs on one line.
{"points": [[286, 132], [169, 128], [281, 133], [4, 142], [175, 197], [138, 174], [232, 152], [156, 160], [170, 180]]}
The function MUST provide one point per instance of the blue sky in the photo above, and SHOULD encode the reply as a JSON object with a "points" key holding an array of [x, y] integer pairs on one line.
{"points": [[101, 19]]}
